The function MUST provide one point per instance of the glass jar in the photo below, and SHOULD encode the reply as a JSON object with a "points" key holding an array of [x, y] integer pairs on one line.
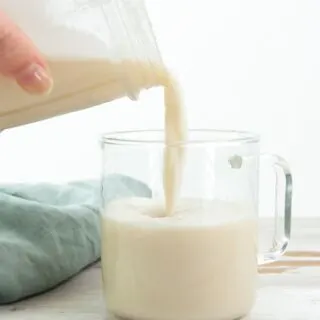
{"points": [[94, 48]]}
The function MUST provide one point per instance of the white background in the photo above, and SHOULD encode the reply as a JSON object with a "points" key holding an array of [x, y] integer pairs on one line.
{"points": [[248, 64]]}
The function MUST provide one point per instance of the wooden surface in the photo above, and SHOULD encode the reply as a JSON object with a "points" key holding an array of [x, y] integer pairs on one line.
{"points": [[289, 289]]}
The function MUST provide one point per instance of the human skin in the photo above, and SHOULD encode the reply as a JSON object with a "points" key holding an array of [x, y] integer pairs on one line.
{"points": [[21, 60]]}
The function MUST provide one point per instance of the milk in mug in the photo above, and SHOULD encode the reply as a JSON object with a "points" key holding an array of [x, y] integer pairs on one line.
{"points": [[199, 263]]}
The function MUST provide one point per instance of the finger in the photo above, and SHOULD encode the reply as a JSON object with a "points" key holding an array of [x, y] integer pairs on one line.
{"points": [[21, 60]]}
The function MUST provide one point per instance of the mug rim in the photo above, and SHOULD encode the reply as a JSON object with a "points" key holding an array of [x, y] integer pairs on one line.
{"points": [[226, 137]]}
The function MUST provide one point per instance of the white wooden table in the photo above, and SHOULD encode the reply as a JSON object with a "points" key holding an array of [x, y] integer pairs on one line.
{"points": [[289, 289]]}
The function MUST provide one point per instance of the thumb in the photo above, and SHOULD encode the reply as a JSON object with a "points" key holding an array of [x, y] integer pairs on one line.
{"points": [[21, 60]]}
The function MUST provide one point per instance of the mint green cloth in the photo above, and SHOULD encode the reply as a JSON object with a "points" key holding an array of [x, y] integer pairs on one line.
{"points": [[49, 233]]}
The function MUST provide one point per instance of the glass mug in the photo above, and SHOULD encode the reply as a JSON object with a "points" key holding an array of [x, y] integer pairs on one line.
{"points": [[201, 262]]}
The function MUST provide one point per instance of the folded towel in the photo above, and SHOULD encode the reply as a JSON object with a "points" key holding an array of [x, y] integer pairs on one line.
{"points": [[48, 233]]}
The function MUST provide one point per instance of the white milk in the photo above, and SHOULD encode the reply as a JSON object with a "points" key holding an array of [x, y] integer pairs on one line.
{"points": [[78, 84], [197, 264], [175, 135]]}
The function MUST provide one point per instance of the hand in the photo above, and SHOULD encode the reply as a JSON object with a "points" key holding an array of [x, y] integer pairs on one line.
{"points": [[21, 60]]}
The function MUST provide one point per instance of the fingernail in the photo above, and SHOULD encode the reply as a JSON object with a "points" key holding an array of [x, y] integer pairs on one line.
{"points": [[35, 80]]}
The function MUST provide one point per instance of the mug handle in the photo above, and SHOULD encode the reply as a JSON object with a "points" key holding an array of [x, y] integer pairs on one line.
{"points": [[282, 225]]}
